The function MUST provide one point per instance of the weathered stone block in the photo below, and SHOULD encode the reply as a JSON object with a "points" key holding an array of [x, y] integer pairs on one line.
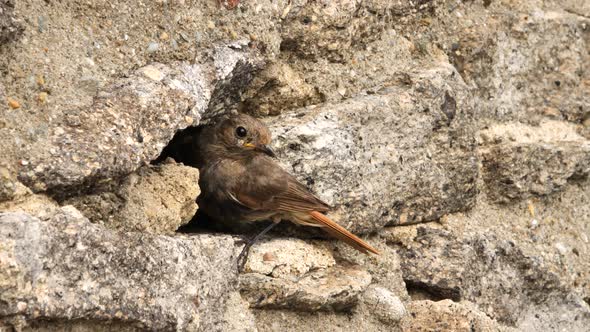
{"points": [[155, 199], [131, 121], [404, 154], [292, 274], [521, 161], [67, 268]]}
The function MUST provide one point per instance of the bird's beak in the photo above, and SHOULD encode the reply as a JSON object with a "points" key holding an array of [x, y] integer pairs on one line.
{"points": [[262, 148], [265, 149]]}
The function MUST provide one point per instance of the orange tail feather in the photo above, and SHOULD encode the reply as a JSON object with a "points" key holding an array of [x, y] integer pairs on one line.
{"points": [[341, 233]]}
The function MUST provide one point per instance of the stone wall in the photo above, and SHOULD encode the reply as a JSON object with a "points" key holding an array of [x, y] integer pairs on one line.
{"points": [[454, 136]]}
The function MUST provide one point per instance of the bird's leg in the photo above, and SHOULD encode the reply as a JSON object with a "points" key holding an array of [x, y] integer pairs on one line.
{"points": [[244, 254]]}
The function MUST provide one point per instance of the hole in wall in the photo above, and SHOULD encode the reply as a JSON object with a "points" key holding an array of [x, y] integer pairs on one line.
{"points": [[183, 148], [419, 290]]}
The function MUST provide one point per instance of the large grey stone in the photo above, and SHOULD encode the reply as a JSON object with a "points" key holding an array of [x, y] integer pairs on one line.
{"points": [[521, 161], [68, 269], [404, 154], [509, 285], [448, 316], [526, 60], [292, 274], [131, 120], [155, 199]]}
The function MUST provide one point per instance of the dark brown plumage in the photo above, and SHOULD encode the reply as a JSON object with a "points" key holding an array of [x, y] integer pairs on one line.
{"points": [[240, 182]]}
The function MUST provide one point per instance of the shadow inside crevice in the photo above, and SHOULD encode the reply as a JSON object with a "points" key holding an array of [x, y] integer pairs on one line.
{"points": [[419, 290], [182, 148]]}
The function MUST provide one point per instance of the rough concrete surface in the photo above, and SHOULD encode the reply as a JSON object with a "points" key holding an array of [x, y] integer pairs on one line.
{"points": [[447, 316], [296, 275], [451, 135], [155, 199], [10, 29], [415, 163], [520, 161], [67, 268]]}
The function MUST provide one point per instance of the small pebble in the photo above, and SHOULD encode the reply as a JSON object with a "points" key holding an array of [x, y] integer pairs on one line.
{"points": [[562, 248], [534, 223], [153, 47], [24, 162], [385, 305], [184, 36], [40, 80], [21, 306], [268, 257], [164, 36], [153, 73], [531, 208], [42, 97], [41, 24], [13, 103]]}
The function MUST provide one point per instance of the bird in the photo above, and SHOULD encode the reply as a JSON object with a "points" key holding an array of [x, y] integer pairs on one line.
{"points": [[241, 182]]}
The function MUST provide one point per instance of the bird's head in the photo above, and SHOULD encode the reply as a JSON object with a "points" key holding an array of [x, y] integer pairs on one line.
{"points": [[241, 131]]}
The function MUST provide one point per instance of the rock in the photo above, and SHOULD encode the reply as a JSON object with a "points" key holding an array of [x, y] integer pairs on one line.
{"points": [[238, 316], [7, 185], [521, 161], [281, 258], [24, 200], [68, 269], [10, 28], [155, 199], [523, 59], [337, 30], [447, 316], [336, 288], [494, 273], [382, 303], [402, 155], [295, 275], [294, 321], [276, 88], [385, 268], [378, 106], [131, 120]]}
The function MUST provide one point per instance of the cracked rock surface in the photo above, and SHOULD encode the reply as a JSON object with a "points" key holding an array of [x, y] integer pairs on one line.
{"points": [[406, 151], [453, 136], [70, 269], [299, 276], [155, 199]]}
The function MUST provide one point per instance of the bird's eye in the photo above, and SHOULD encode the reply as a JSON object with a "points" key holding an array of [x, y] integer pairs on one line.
{"points": [[241, 131]]}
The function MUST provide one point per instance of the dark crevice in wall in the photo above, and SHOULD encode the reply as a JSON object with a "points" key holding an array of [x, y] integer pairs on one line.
{"points": [[422, 291], [182, 148]]}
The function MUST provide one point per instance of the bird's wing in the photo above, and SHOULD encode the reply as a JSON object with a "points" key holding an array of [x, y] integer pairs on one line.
{"points": [[266, 186]]}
